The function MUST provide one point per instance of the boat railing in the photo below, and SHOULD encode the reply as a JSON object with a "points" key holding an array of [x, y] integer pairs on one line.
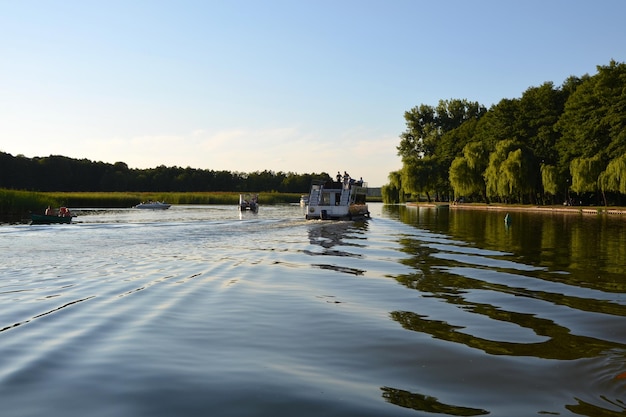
{"points": [[348, 188]]}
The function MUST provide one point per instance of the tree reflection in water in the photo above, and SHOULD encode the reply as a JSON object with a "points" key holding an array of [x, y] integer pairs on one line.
{"points": [[545, 294], [421, 402]]}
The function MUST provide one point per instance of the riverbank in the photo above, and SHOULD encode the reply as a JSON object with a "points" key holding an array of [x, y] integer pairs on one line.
{"points": [[16, 205], [542, 209]]}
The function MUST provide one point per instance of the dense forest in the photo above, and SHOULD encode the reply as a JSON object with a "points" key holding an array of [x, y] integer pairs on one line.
{"points": [[553, 145], [59, 173]]}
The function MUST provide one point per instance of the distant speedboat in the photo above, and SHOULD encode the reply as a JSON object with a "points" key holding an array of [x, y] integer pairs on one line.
{"points": [[153, 205]]}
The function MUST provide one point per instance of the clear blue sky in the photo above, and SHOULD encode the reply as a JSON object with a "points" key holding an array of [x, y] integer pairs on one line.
{"points": [[300, 85]]}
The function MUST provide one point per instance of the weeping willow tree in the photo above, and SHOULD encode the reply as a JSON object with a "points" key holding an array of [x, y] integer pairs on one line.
{"points": [[419, 176], [466, 172], [392, 193], [550, 180], [585, 174], [461, 178], [613, 179], [495, 188], [511, 172]]}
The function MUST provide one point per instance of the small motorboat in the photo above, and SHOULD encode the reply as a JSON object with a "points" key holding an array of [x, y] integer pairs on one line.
{"points": [[45, 219], [249, 202], [153, 205]]}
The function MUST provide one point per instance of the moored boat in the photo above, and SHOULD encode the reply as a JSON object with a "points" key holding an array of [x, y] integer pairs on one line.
{"points": [[337, 200], [45, 219], [249, 202], [154, 205]]}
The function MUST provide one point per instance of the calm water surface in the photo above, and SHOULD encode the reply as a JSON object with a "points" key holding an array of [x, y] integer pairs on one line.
{"points": [[199, 311]]}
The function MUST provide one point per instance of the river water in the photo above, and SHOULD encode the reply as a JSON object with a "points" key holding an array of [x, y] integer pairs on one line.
{"points": [[201, 311]]}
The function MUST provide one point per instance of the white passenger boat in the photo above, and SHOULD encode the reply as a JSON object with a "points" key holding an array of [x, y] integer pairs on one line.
{"points": [[337, 200], [154, 205]]}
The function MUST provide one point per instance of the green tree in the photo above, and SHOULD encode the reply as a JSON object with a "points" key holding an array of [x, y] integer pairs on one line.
{"points": [[421, 131], [585, 174], [392, 192], [511, 172], [419, 176], [423, 144], [614, 176], [550, 180], [594, 121], [499, 123], [540, 109], [425, 125], [466, 172]]}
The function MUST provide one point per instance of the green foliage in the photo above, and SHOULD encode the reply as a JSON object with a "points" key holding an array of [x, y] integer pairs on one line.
{"points": [[499, 123], [585, 174], [425, 125], [466, 172], [594, 121], [420, 176], [495, 184], [511, 171], [614, 177], [539, 110], [528, 146], [461, 177], [549, 179], [392, 192]]}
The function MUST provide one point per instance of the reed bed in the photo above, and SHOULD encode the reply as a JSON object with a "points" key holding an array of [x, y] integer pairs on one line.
{"points": [[14, 202]]}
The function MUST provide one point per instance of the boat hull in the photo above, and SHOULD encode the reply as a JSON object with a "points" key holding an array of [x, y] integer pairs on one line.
{"points": [[153, 206], [249, 207], [353, 212], [43, 219]]}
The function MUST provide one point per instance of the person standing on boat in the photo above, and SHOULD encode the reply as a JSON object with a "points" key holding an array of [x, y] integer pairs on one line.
{"points": [[346, 177], [49, 211], [338, 176]]}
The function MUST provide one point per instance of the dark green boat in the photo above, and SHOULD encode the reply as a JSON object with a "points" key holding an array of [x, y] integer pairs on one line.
{"points": [[43, 219]]}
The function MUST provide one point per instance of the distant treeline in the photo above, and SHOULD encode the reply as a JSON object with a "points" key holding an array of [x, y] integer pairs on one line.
{"points": [[60, 173], [552, 145]]}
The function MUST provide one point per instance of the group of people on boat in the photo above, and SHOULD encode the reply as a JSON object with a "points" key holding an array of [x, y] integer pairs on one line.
{"points": [[63, 212], [249, 202], [346, 179]]}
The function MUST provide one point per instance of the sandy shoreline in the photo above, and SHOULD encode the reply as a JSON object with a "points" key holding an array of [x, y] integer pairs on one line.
{"points": [[543, 209]]}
